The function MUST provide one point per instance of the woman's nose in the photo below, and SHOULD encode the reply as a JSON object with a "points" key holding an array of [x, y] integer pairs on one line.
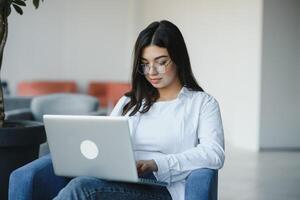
{"points": [[153, 70]]}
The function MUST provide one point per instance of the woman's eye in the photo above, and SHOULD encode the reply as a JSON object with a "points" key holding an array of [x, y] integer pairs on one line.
{"points": [[162, 62]]}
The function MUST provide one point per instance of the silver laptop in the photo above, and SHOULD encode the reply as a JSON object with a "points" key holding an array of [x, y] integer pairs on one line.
{"points": [[97, 146]]}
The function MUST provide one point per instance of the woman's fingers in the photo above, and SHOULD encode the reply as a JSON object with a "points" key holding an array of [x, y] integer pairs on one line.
{"points": [[143, 167], [139, 163]]}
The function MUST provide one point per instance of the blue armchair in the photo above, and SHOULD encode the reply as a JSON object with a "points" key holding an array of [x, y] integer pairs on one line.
{"points": [[37, 180]]}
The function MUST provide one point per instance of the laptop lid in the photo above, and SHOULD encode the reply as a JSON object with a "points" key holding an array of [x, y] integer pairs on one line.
{"points": [[98, 146]]}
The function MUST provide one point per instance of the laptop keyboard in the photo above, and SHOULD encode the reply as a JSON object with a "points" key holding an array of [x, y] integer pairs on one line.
{"points": [[152, 182]]}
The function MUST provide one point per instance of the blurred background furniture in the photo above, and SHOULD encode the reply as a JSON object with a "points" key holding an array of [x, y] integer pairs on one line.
{"points": [[37, 180], [108, 93], [62, 103], [34, 88], [59, 104], [16, 102]]}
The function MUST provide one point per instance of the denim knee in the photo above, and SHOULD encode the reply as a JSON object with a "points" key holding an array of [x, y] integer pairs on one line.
{"points": [[82, 187], [202, 184]]}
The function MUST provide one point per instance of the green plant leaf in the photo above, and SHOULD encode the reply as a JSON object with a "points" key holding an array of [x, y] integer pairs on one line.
{"points": [[18, 9], [36, 3], [19, 2]]}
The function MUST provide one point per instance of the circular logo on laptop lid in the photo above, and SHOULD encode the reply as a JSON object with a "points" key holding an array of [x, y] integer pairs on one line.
{"points": [[89, 149]]}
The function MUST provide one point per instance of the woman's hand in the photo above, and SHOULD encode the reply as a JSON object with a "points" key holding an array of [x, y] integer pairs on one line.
{"points": [[145, 166]]}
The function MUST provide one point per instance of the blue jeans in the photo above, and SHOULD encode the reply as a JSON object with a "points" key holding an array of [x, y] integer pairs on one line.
{"points": [[199, 185], [202, 184], [90, 188]]}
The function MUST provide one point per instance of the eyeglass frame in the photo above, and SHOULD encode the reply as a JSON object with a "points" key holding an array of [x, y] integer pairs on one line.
{"points": [[143, 65]]}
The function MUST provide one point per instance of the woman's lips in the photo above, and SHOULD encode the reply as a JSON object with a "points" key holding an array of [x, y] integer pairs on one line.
{"points": [[155, 80]]}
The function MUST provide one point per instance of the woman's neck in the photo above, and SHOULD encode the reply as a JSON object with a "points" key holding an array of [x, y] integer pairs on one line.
{"points": [[169, 93]]}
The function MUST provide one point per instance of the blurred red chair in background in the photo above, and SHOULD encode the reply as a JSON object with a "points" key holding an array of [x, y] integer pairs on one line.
{"points": [[34, 88], [108, 93]]}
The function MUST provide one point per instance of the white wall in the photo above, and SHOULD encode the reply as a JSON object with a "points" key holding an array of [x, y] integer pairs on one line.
{"points": [[224, 41], [72, 40], [280, 95]]}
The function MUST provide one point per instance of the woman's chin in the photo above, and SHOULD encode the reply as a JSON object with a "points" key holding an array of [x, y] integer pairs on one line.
{"points": [[157, 85]]}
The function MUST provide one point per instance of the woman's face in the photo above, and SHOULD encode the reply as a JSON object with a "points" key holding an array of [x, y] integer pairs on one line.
{"points": [[160, 70]]}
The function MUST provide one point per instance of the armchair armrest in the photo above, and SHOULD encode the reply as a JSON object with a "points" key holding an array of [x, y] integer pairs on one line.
{"points": [[19, 114], [35, 180]]}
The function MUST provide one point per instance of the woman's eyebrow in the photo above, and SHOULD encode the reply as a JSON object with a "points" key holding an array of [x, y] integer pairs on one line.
{"points": [[163, 56]]}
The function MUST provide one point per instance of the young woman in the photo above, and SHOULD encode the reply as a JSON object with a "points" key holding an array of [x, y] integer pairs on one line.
{"points": [[176, 127]]}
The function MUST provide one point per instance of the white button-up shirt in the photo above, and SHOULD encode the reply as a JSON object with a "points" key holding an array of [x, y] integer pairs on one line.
{"points": [[180, 135]]}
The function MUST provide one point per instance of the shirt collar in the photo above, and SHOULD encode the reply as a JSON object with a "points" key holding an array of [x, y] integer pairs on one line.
{"points": [[184, 92]]}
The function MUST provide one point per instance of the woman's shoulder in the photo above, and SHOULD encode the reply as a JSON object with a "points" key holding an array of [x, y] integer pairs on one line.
{"points": [[124, 99], [118, 109], [198, 94], [201, 97]]}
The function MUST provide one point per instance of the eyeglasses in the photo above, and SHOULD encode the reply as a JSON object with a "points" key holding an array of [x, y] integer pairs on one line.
{"points": [[160, 67]]}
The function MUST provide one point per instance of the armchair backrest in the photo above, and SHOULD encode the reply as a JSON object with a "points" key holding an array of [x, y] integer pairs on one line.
{"points": [[108, 92], [34, 88], [65, 104]]}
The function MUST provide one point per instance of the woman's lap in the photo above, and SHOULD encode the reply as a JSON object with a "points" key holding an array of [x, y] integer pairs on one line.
{"points": [[94, 188]]}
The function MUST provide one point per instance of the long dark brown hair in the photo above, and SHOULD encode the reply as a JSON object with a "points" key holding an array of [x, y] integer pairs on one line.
{"points": [[166, 35]]}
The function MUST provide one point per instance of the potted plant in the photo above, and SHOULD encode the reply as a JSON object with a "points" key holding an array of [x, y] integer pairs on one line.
{"points": [[19, 140]]}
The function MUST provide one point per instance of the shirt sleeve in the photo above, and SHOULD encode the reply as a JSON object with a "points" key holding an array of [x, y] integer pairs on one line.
{"points": [[208, 153], [118, 109]]}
